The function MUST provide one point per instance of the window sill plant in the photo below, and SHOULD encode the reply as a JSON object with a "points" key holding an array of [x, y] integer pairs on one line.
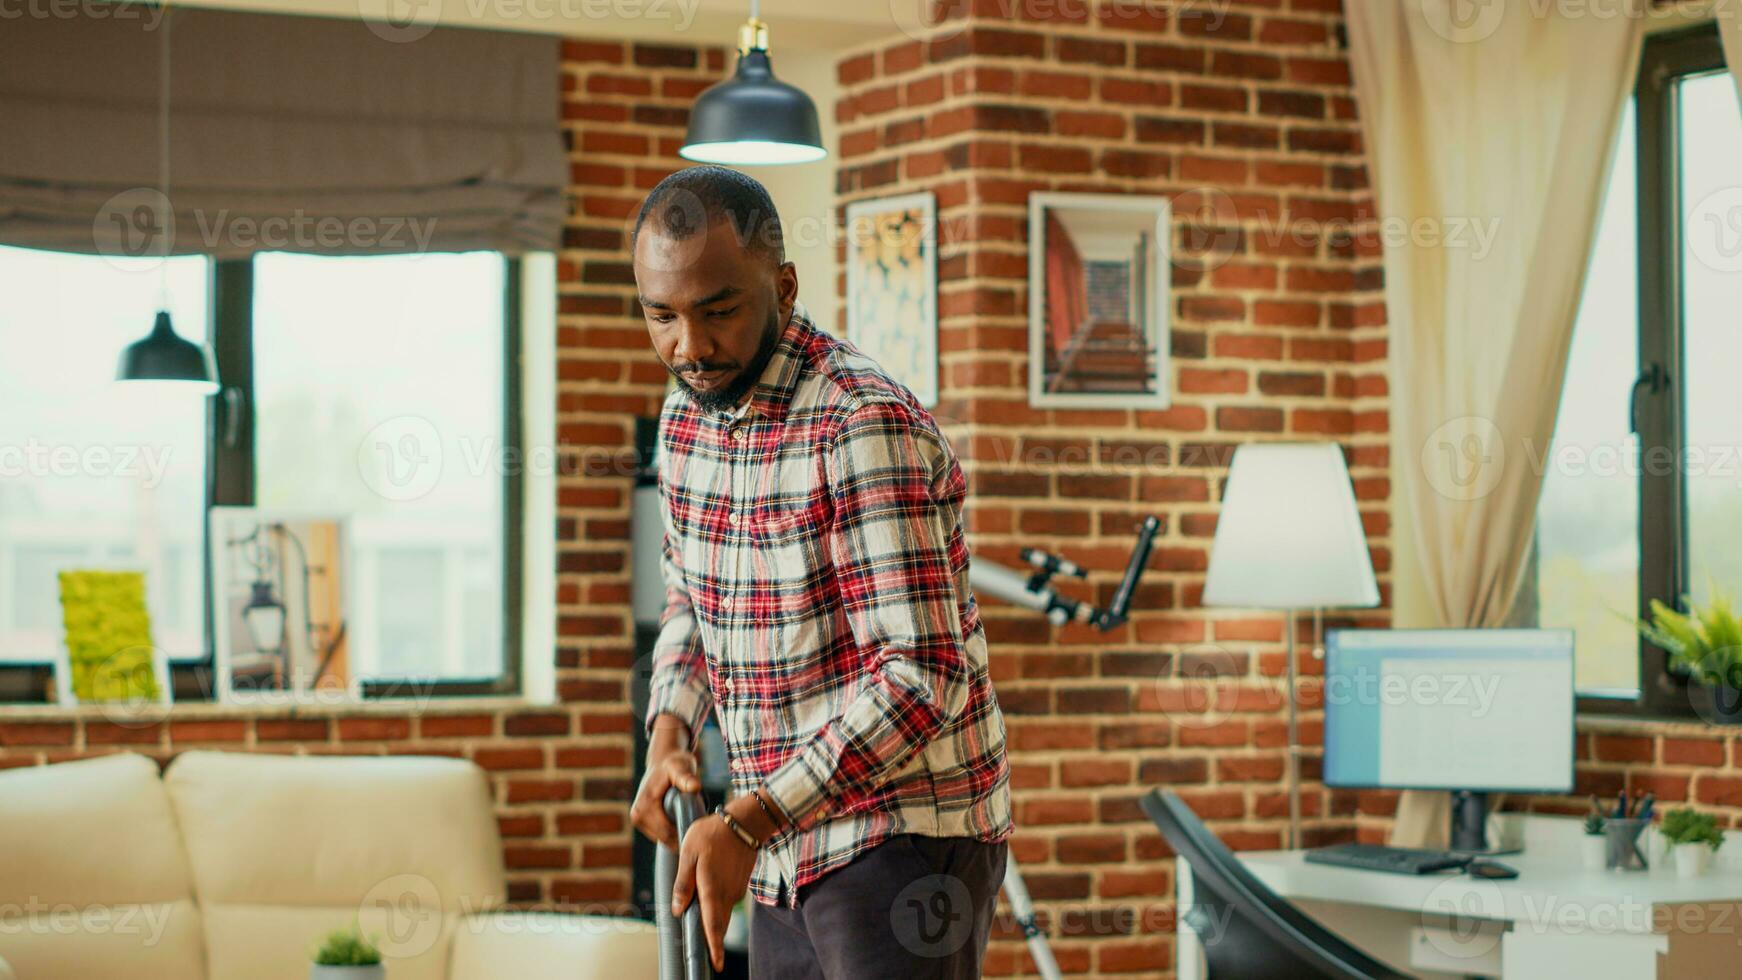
{"points": [[346, 954], [1707, 644], [1693, 838]]}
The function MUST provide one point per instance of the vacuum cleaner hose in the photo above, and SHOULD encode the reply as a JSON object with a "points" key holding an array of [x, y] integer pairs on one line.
{"points": [[683, 947]]}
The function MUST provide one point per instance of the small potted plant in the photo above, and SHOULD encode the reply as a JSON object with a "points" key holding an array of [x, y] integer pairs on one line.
{"points": [[346, 954], [1707, 644], [1693, 838], [1594, 847]]}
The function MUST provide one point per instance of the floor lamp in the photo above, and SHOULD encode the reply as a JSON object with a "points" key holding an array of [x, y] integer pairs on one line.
{"points": [[1289, 537]]}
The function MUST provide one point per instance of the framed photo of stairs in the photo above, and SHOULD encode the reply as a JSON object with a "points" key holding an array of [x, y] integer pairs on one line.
{"points": [[1098, 288]]}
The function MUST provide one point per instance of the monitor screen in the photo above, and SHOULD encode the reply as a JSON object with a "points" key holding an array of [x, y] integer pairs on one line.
{"points": [[1482, 710]]}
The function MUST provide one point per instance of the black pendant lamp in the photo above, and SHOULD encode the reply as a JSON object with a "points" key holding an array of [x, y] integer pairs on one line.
{"points": [[163, 355], [753, 118]]}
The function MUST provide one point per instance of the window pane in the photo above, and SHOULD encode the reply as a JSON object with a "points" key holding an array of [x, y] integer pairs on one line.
{"points": [[95, 474], [1711, 134], [379, 396], [1587, 525]]}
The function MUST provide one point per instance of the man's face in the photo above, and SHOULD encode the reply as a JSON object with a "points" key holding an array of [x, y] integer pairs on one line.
{"points": [[715, 310]]}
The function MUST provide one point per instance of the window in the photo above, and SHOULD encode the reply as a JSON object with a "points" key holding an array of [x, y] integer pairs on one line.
{"points": [[1640, 499], [93, 473], [382, 389]]}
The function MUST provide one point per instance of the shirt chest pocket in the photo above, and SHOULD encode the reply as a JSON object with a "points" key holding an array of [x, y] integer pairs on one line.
{"points": [[789, 562]]}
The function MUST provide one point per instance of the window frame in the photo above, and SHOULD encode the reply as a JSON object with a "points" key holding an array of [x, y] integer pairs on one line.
{"points": [[230, 481], [1658, 402]]}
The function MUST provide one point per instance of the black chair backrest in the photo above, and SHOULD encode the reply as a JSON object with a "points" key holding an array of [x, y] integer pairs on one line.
{"points": [[1247, 930]]}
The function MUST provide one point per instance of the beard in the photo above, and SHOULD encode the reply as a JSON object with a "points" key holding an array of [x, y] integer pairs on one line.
{"points": [[725, 397]]}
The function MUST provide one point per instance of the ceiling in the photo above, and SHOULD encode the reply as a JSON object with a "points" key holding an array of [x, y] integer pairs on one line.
{"points": [[824, 24]]}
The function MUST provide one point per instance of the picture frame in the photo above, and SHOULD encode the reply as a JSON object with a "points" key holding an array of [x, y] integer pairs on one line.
{"points": [[1099, 300], [114, 601], [892, 288], [288, 574]]}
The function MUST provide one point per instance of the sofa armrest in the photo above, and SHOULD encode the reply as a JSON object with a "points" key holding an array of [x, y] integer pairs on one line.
{"points": [[6, 970], [550, 946]]}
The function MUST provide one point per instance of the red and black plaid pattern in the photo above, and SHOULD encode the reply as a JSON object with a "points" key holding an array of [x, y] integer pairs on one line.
{"points": [[817, 600]]}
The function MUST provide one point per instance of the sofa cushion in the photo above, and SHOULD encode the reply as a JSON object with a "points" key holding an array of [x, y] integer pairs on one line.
{"points": [[94, 880], [548, 946], [284, 848]]}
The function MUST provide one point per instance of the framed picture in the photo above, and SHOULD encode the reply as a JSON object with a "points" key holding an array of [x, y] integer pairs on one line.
{"points": [[892, 288], [281, 606], [1098, 301], [107, 654]]}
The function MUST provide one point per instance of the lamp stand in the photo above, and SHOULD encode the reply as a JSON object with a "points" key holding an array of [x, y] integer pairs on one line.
{"points": [[1292, 775]]}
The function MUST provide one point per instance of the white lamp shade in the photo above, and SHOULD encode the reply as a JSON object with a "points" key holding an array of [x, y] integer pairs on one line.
{"points": [[1289, 535]]}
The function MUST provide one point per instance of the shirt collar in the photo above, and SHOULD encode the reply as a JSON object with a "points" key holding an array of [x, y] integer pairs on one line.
{"points": [[774, 389]]}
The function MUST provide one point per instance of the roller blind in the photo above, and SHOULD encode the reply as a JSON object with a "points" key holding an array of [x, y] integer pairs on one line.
{"points": [[288, 133]]}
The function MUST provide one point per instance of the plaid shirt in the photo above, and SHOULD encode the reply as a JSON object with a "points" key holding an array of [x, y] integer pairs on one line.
{"points": [[817, 599]]}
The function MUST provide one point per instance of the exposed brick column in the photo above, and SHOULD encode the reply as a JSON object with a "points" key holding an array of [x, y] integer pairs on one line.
{"points": [[1243, 115]]}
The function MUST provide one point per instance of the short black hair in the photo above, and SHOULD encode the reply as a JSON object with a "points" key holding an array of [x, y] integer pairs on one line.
{"points": [[690, 200]]}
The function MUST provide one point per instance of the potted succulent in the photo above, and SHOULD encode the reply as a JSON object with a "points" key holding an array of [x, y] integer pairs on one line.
{"points": [[346, 954], [1707, 644], [1594, 846], [1693, 838]]}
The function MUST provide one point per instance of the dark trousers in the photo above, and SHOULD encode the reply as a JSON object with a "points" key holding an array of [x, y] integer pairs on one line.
{"points": [[913, 907]]}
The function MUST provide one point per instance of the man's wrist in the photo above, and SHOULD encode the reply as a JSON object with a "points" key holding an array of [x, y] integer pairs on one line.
{"points": [[668, 732], [751, 816]]}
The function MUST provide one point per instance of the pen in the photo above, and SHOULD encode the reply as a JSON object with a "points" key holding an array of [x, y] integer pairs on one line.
{"points": [[1621, 806], [1645, 806]]}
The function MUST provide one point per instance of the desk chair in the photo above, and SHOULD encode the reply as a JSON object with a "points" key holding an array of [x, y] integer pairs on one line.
{"points": [[1248, 931]]}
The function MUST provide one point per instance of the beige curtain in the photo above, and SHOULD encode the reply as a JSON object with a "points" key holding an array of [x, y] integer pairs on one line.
{"points": [[1730, 32], [1489, 140]]}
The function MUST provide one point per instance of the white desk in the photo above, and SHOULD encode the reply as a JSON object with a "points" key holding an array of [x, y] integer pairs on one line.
{"points": [[1554, 920]]}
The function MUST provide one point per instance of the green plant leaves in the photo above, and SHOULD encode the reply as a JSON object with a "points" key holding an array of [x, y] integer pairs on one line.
{"points": [[347, 947], [1688, 826], [1707, 643]]}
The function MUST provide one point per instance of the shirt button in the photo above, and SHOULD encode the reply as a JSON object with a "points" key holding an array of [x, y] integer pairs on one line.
{"points": [[739, 435], [726, 603], [734, 518]]}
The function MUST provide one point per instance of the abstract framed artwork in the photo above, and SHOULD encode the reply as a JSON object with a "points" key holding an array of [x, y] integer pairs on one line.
{"points": [[107, 654], [892, 288], [1098, 301]]}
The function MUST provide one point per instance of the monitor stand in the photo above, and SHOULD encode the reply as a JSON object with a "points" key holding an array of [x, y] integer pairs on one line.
{"points": [[1469, 830]]}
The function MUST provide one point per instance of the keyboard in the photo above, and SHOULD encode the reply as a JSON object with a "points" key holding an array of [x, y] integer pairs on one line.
{"points": [[1396, 860]]}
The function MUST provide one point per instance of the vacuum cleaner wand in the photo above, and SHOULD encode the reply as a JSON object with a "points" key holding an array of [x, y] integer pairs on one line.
{"points": [[683, 947], [1034, 590]]}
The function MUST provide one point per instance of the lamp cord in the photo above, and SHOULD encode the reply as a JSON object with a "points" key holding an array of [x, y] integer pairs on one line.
{"points": [[167, 217]]}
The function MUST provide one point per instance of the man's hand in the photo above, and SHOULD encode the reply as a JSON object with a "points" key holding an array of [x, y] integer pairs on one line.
{"points": [[717, 864], [669, 763]]}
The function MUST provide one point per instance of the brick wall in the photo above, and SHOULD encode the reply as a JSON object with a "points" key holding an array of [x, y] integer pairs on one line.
{"points": [[561, 774], [1243, 115]]}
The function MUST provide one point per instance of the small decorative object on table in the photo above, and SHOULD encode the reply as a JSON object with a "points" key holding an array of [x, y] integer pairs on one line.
{"points": [[347, 955], [1707, 644], [1693, 838], [1594, 846]]}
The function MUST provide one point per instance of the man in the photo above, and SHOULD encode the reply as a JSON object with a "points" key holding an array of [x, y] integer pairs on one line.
{"points": [[817, 602]]}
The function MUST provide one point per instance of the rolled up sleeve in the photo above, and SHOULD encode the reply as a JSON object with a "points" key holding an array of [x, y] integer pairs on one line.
{"points": [[679, 685]]}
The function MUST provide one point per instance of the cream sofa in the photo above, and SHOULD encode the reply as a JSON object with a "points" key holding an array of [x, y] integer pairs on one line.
{"points": [[231, 866]]}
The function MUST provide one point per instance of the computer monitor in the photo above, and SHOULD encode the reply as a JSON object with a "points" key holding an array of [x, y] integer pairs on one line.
{"points": [[1469, 711]]}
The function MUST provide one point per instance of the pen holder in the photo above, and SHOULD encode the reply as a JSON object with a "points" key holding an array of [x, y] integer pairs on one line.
{"points": [[1623, 834]]}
